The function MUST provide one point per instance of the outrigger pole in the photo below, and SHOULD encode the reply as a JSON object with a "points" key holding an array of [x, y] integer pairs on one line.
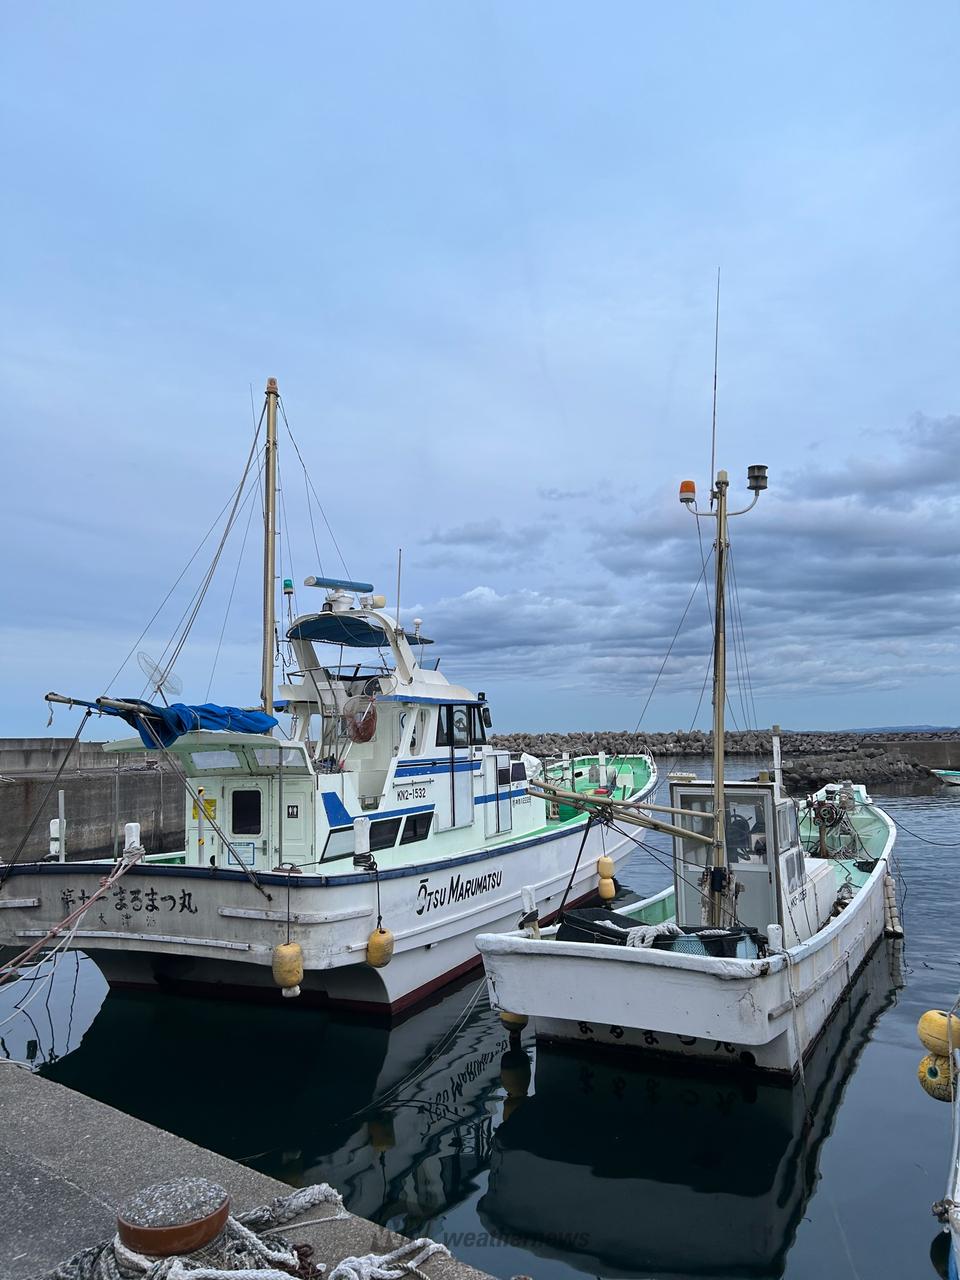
{"points": [[269, 545]]}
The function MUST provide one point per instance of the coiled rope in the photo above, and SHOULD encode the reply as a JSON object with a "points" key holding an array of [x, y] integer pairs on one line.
{"points": [[241, 1251]]}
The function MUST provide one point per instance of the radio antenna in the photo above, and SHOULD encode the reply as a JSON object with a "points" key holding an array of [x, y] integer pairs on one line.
{"points": [[713, 431], [399, 564]]}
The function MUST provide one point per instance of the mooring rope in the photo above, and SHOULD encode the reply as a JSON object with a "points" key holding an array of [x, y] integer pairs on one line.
{"points": [[240, 1251]]}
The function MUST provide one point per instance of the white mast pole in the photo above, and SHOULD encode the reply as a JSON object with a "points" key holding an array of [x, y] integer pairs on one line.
{"points": [[718, 895], [269, 545]]}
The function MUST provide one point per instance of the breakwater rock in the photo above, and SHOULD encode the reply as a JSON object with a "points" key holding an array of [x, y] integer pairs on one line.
{"points": [[809, 758], [695, 743], [870, 766]]}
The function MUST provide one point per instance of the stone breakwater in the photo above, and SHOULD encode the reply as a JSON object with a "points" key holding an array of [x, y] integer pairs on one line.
{"points": [[810, 758]]}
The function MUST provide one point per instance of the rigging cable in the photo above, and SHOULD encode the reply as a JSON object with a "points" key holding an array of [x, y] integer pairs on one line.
{"points": [[666, 656], [716, 354], [286, 549], [586, 831], [738, 625], [179, 579], [208, 576], [941, 844], [233, 586], [311, 485], [46, 796]]}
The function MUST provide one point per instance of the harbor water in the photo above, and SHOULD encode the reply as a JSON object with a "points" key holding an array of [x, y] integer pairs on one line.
{"points": [[556, 1164]]}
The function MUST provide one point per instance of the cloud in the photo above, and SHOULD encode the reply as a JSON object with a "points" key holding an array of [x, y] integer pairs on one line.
{"points": [[831, 588], [562, 495], [488, 544]]}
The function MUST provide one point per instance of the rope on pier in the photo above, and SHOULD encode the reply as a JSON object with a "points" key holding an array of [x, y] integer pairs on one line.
{"points": [[406, 1260], [240, 1251]]}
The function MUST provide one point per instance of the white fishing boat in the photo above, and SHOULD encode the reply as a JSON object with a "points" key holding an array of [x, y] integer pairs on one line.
{"points": [[775, 906], [950, 776], [353, 859]]}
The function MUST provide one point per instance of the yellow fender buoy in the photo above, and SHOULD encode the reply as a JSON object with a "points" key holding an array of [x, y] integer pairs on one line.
{"points": [[380, 1132], [514, 1076], [515, 1072], [513, 1021], [380, 947], [288, 967], [935, 1029], [606, 886], [936, 1077]]}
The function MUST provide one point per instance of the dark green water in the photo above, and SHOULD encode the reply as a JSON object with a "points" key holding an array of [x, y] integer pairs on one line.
{"points": [[605, 1168]]}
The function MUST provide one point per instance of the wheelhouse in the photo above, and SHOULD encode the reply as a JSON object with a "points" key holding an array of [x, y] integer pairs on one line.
{"points": [[761, 843]]}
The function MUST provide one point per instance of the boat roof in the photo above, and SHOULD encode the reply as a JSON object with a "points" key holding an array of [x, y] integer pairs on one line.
{"points": [[208, 738], [344, 628]]}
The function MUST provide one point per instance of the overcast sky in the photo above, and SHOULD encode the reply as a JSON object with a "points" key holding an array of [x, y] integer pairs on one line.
{"points": [[477, 244]]}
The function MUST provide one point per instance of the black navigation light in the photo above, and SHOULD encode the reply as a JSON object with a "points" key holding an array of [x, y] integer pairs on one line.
{"points": [[756, 479]]}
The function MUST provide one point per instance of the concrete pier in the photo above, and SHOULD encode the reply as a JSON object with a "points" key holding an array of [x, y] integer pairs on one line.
{"points": [[67, 1161]]}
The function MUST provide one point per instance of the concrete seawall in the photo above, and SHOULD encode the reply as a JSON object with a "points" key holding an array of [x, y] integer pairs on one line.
{"points": [[148, 794]]}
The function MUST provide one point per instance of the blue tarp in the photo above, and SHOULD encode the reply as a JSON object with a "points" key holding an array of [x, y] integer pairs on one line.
{"points": [[168, 723]]}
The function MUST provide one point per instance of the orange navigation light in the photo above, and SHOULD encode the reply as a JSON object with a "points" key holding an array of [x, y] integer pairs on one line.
{"points": [[688, 492]]}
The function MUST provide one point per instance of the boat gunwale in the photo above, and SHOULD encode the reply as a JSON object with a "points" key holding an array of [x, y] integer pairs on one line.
{"points": [[722, 968]]}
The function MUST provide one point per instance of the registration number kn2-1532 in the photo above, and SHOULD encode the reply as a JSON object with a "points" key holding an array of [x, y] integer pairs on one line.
{"points": [[410, 793]]}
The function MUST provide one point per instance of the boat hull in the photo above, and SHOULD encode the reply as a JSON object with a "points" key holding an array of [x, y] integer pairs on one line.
{"points": [[645, 1148], [759, 1014], [211, 929]]}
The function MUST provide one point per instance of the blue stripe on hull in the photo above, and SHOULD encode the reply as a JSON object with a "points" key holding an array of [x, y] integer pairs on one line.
{"points": [[297, 881]]}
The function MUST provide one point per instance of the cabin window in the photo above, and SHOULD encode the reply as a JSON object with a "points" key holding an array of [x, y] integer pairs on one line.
{"points": [[443, 727], [791, 867], [215, 759], [518, 772], [503, 776], [419, 735], [340, 844], [453, 727], [245, 812], [692, 851], [478, 734], [744, 828], [787, 826], [461, 727], [416, 827], [383, 835], [268, 757]]}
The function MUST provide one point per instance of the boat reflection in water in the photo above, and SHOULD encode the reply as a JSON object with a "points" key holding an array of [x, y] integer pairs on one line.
{"points": [[399, 1119], [661, 1172], [45, 1014]]}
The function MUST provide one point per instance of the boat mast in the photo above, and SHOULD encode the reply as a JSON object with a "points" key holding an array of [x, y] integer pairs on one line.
{"points": [[269, 546], [719, 901], [719, 878]]}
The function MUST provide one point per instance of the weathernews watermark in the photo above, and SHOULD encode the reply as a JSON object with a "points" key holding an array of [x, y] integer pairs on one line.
{"points": [[459, 1240]]}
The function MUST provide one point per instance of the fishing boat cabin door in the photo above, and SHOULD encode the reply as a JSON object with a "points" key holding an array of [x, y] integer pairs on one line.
{"points": [[750, 814]]}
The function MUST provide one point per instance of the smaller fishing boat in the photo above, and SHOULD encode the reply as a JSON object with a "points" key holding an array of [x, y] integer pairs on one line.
{"points": [[739, 1159], [773, 909], [950, 776]]}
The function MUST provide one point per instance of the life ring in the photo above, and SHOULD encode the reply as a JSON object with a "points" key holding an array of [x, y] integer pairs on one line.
{"points": [[360, 719]]}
